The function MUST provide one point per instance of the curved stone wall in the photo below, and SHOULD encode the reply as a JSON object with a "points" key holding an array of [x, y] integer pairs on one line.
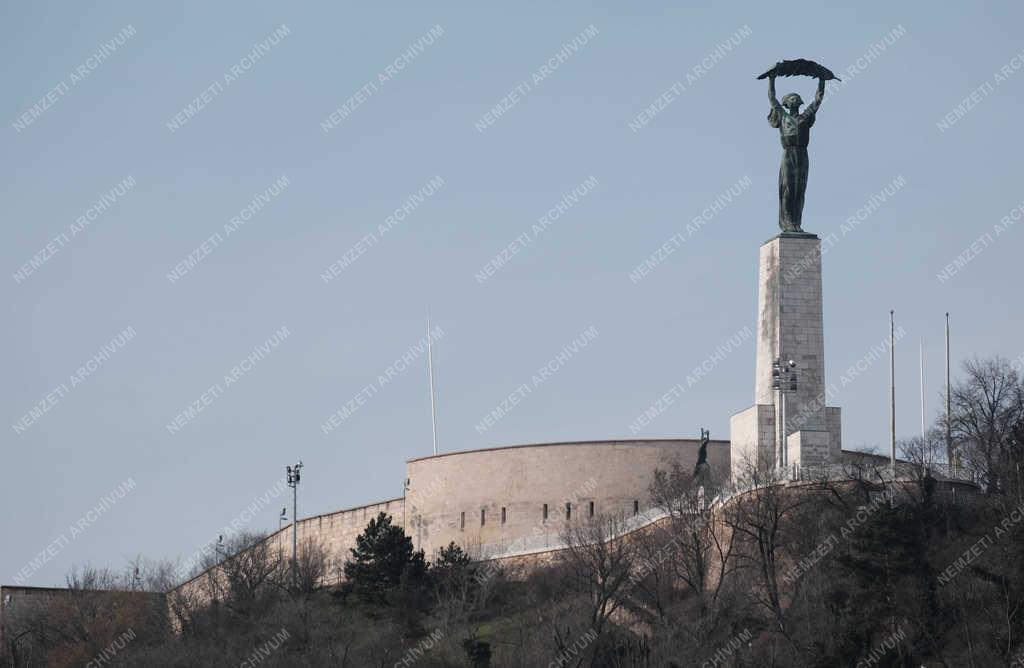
{"points": [[510, 487], [492, 501], [335, 531]]}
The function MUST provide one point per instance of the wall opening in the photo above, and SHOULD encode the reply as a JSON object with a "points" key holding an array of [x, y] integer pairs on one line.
{"points": [[568, 511], [503, 514], [636, 507], [591, 508], [462, 525], [483, 516], [545, 512]]}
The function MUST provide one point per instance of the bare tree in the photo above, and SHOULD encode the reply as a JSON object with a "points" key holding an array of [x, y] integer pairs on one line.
{"points": [[924, 452], [98, 607], [765, 523], [244, 570], [255, 569], [599, 560], [311, 566], [700, 555], [654, 591], [987, 407], [926, 457]]}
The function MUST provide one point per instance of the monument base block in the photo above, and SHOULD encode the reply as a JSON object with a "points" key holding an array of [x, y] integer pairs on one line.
{"points": [[808, 448], [752, 439], [752, 436]]}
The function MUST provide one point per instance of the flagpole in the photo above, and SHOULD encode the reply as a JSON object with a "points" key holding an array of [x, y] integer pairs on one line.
{"points": [[950, 459], [920, 344], [892, 391], [430, 372]]}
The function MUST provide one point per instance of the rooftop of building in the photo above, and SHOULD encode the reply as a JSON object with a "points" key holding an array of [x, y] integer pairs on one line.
{"points": [[617, 441]]}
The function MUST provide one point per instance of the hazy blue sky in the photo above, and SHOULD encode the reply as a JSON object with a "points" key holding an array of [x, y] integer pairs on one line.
{"points": [[413, 125]]}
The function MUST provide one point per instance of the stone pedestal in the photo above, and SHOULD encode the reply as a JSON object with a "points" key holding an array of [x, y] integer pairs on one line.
{"points": [[790, 327], [752, 438], [808, 448]]}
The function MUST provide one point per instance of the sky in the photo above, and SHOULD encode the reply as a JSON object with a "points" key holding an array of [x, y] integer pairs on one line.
{"points": [[246, 210]]}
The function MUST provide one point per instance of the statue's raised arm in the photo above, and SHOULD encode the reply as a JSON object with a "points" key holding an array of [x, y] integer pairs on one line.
{"points": [[818, 97], [776, 113]]}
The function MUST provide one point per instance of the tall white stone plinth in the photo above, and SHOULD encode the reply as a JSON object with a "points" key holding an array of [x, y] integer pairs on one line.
{"points": [[790, 327], [752, 438]]}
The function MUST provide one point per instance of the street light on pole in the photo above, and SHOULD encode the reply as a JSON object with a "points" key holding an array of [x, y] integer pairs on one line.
{"points": [[293, 476], [783, 382]]}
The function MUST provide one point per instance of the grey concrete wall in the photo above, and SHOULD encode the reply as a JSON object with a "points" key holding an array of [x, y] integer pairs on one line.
{"points": [[337, 531], [518, 479], [521, 479]]}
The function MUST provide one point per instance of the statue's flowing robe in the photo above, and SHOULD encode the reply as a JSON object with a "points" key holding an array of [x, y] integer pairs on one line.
{"points": [[795, 133]]}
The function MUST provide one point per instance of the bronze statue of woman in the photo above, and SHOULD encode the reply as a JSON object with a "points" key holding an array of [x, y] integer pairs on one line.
{"points": [[795, 133], [702, 470]]}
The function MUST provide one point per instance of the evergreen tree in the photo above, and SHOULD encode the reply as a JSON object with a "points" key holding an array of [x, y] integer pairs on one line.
{"points": [[382, 555], [451, 557]]}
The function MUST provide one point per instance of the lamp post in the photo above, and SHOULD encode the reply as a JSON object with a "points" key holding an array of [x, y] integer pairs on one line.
{"points": [[784, 381], [405, 490], [293, 477]]}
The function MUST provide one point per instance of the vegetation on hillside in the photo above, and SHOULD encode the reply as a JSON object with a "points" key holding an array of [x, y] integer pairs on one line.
{"points": [[829, 574]]}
